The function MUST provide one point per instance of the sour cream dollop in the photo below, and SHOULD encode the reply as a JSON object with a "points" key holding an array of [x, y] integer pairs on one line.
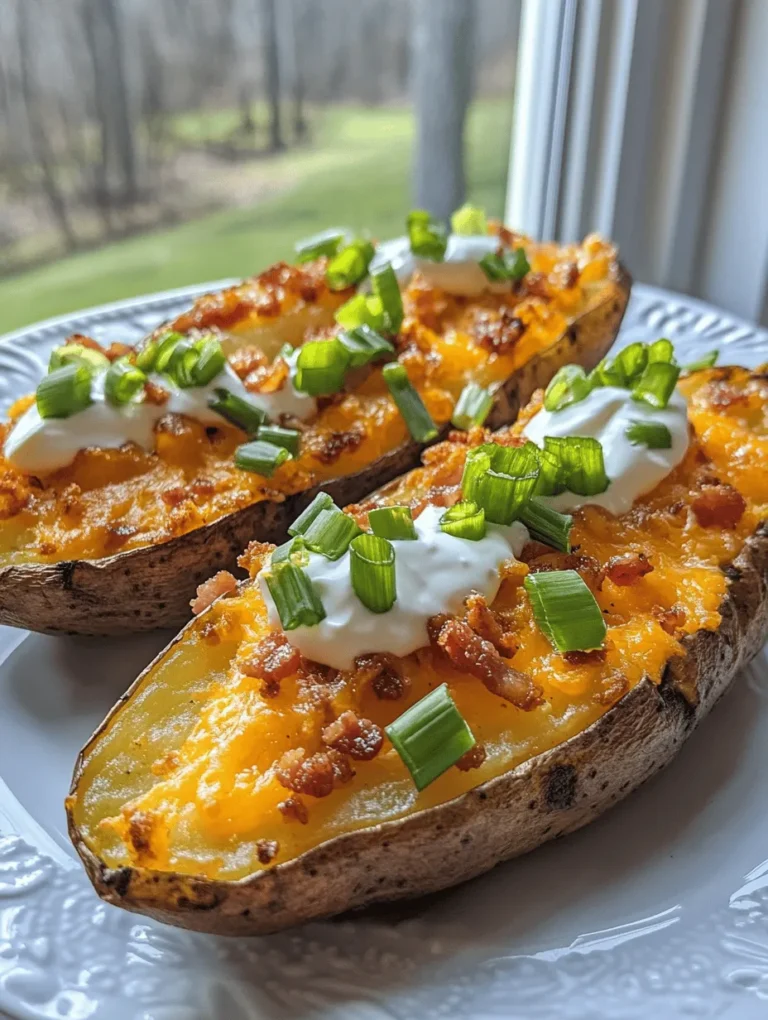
{"points": [[434, 574], [459, 273], [38, 445], [604, 415]]}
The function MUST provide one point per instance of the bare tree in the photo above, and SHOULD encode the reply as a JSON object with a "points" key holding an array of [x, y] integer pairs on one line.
{"points": [[297, 23], [442, 88], [272, 72]]}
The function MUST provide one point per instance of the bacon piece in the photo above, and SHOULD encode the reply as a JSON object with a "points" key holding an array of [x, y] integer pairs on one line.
{"points": [[332, 444], [587, 566], [361, 739], [246, 360], [498, 332], [315, 775], [255, 556], [268, 378], [719, 506], [471, 654], [626, 569], [209, 591], [294, 810], [384, 676], [273, 659], [86, 341], [487, 624], [670, 620], [155, 394], [473, 759], [579, 658], [438, 495], [266, 850]]}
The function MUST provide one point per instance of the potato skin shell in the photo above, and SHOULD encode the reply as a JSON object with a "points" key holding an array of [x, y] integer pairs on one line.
{"points": [[147, 588], [548, 796]]}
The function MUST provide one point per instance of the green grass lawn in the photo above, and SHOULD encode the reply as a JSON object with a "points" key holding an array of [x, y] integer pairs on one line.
{"points": [[356, 173]]}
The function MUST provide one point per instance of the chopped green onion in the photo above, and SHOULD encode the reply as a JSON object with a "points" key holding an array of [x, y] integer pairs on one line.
{"points": [[427, 236], [294, 550], [364, 345], [77, 354], [469, 219], [296, 599], [547, 525], [392, 522], [409, 403], [322, 501], [705, 361], [431, 736], [331, 532], [506, 265], [652, 434], [181, 363], [65, 391], [661, 350], [566, 610], [260, 457], [582, 464], [500, 479], [631, 362], [372, 570], [569, 385], [164, 349], [289, 439], [350, 266], [387, 290], [321, 366], [607, 373], [551, 480], [464, 520], [502, 495], [656, 385], [123, 382], [327, 242], [472, 407], [210, 361], [360, 310], [237, 410]]}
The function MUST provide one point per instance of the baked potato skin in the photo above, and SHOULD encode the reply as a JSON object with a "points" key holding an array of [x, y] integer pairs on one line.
{"points": [[150, 587], [547, 796]]}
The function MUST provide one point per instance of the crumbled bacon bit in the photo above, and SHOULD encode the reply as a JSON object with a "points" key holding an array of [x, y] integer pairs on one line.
{"points": [[361, 739], [498, 332], [71, 500], [255, 556], [174, 496], [203, 486], [721, 396], [294, 810], [579, 658], [117, 535], [670, 620], [315, 775], [85, 341], [155, 394], [536, 285], [47, 548], [266, 850], [268, 378], [117, 350], [471, 654], [473, 759], [438, 495], [626, 569], [586, 566], [273, 659], [488, 625], [719, 506], [387, 681], [571, 276], [140, 828], [246, 360], [210, 590], [333, 444], [313, 674]]}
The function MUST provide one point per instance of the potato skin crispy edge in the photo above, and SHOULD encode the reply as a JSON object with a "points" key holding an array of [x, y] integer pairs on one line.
{"points": [[548, 796], [147, 588]]}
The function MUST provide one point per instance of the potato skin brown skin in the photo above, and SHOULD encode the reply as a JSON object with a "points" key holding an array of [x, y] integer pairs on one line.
{"points": [[147, 588], [548, 796]]}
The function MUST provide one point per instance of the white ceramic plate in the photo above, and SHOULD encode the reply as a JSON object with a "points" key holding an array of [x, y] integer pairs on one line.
{"points": [[660, 908]]}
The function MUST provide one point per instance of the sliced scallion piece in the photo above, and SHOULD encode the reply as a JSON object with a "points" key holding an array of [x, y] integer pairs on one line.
{"points": [[566, 610], [472, 407], [261, 458], [469, 219], [431, 736], [569, 385], [321, 366], [631, 361], [294, 550], [372, 571], [296, 599], [464, 520], [653, 434], [705, 361], [123, 382], [164, 347], [77, 354], [322, 501], [360, 310], [551, 480], [506, 265], [409, 403], [365, 345], [350, 266], [657, 384], [387, 290], [661, 350], [238, 411], [289, 439], [392, 522], [500, 479], [181, 363], [428, 237], [65, 391], [582, 464], [331, 532], [327, 242], [607, 373], [547, 525], [210, 361]]}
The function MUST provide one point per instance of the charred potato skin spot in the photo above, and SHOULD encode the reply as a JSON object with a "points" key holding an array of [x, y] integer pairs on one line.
{"points": [[503, 818], [165, 576]]}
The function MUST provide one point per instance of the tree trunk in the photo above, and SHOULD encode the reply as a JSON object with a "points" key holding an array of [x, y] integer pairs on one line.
{"points": [[442, 89], [272, 72], [298, 82]]}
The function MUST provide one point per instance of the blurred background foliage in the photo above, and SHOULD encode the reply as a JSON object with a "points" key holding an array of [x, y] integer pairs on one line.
{"points": [[147, 144]]}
